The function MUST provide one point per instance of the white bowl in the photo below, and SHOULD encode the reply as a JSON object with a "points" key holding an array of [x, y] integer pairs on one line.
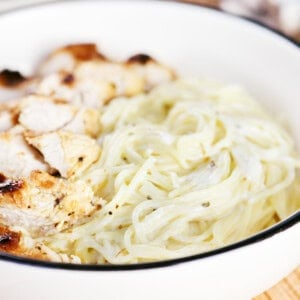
{"points": [[196, 41]]}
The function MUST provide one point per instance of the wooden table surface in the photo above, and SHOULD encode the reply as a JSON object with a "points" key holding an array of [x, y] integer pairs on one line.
{"points": [[287, 289]]}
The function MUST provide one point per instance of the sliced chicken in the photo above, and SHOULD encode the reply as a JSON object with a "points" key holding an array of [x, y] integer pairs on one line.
{"points": [[14, 242], [124, 81], [57, 114], [66, 58], [17, 242], [17, 158], [68, 153], [43, 114], [80, 75], [86, 121], [44, 204], [88, 92], [54, 129], [153, 72]]}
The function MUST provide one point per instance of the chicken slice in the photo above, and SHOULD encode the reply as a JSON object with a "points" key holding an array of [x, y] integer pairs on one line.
{"points": [[17, 241], [79, 74], [125, 81], [66, 58], [70, 154], [88, 92], [94, 83], [43, 114], [14, 242], [86, 121], [153, 72], [43, 204], [17, 158], [57, 114]]}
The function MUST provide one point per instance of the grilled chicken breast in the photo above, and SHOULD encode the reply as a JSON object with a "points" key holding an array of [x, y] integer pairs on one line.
{"points": [[56, 115], [17, 241], [81, 75], [66, 58], [17, 158], [43, 204], [51, 128], [68, 153]]}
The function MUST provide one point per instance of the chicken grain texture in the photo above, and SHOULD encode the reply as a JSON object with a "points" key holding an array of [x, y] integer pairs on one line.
{"points": [[42, 114], [68, 153], [57, 114], [43, 204], [17, 158], [86, 121]]}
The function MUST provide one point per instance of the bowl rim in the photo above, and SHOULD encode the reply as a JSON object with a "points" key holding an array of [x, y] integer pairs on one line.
{"points": [[265, 234]]}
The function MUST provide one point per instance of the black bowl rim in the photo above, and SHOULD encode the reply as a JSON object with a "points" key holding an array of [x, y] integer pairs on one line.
{"points": [[265, 234]]}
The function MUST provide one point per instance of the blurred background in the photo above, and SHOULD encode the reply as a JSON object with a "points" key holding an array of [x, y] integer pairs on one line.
{"points": [[282, 15]]}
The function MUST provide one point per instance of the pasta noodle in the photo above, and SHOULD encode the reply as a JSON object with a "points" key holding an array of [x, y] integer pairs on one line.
{"points": [[187, 168]]}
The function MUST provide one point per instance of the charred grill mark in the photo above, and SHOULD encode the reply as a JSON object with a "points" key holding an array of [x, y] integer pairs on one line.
{"points": [[68, 79], [15, 116], [55, 173], [10, 78], [84, 52], [57, 201], [60, 101], [2, 178], [9, 240], [140, 59], [11, 186], [47, 184]]}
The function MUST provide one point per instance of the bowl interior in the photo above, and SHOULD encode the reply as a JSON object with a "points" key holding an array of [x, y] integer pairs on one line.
{"points": [[195, 41]]}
